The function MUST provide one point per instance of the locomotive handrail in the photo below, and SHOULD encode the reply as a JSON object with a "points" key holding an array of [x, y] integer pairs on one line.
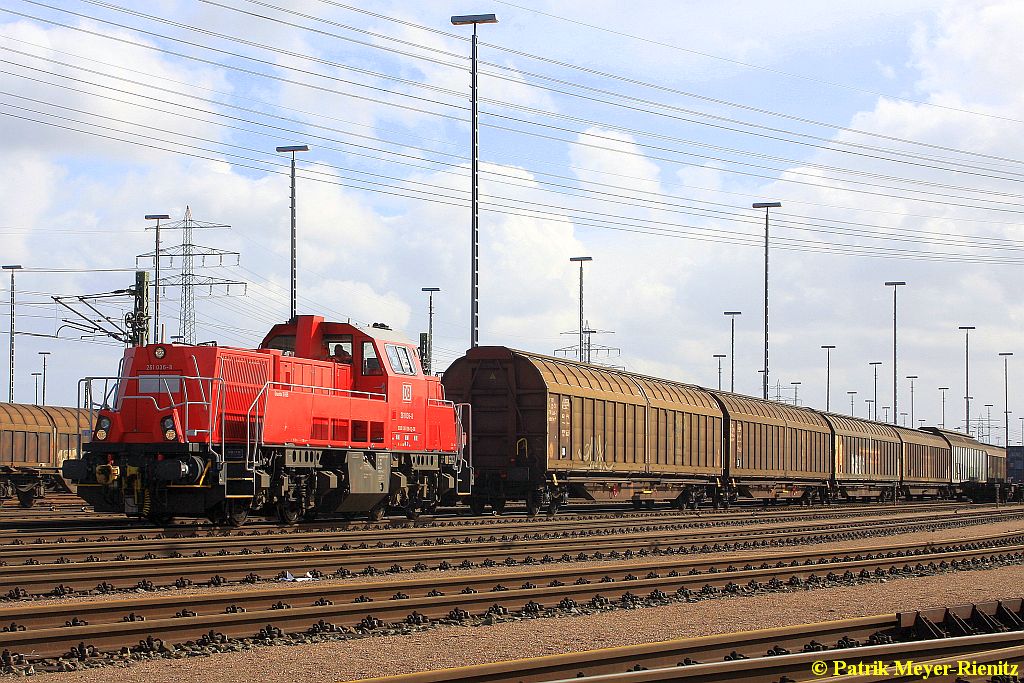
{"points": [[172, 405], [249, 444], [356, 394], [440, 402]]}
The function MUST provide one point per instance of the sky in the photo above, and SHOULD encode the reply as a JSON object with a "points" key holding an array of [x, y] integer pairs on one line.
{"points": [[639, 135]]}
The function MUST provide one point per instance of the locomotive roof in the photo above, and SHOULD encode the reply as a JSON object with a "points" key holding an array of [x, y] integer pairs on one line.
{"points": [[378, 331], [383, 334]]}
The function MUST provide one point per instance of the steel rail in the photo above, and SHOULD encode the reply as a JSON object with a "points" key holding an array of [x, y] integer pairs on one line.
{"points": [[324, 615], [95, 524]]}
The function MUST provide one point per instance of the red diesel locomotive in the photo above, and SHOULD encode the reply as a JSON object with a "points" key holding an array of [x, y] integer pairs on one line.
{"points": [[322, 417]]}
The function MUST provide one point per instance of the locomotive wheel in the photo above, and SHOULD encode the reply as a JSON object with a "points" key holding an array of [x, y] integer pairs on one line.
{"points": [[237, 514], [553, 508], [476, 506], [160, 518], [376, 513], [310, 515], [228, 513], [288, 513], [27, 499], [412, 512]]}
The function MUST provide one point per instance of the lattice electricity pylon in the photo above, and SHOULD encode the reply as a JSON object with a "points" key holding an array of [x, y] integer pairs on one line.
{"points": [[186, 279], [586, 353]]}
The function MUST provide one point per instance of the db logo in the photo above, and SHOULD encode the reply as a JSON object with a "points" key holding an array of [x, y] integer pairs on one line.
{"points": [[407, 393]]}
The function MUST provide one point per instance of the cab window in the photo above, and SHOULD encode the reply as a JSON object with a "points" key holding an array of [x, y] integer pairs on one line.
{"points": [[282, 342], [159, 384], [339, 347], [371, 363], [400, 361]]}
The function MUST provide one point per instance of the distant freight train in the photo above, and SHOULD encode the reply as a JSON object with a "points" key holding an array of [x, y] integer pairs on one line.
{"points": [[34, 443], [333, 417]]}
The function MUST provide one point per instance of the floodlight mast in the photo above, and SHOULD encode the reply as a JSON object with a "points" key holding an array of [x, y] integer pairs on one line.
{"points": [[581, 260], [766, 206], [10, 391], [474, 270], [292, 149]]}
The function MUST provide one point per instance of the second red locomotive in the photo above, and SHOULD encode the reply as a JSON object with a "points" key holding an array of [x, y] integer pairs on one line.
{"points": [[322, 417]]}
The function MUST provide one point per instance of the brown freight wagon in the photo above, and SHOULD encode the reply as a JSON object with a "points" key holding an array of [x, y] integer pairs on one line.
{"points": [[998, 488], [547, 429], [867, 458], [925, 464], [969, 462], [34, 442], [776, 451], [996, 462]]}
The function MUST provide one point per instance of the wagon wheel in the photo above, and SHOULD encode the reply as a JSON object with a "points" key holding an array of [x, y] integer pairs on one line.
{"points": [[498, 505], [412, 511], [27, 498], [532, 505]]}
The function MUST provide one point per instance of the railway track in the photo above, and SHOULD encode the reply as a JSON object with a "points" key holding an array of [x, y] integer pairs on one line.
{"points": [[991, 631], [103, 547], [193, 624], [61, 523], [101, 529], [251, 564]]}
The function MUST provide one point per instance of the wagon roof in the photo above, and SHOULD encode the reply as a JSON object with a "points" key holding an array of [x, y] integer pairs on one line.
{"points": [[919, 436], [38, 417], [957, 439], [846, 425], [571, 376], [996, 451], [761, 410]]}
